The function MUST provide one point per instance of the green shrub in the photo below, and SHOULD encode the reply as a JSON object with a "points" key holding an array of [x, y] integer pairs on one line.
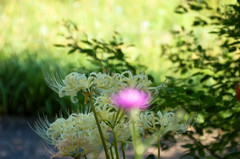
{"points": [[209, 74]]}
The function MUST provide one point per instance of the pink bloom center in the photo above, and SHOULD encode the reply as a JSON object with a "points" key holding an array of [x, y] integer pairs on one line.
{"points": [[131, 98]]}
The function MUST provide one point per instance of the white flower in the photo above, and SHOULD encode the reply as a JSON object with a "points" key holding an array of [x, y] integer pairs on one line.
{"points": [[72, 136], [150, 123], [98, 84], [171, 122], [122, 131], [71, 85], [138, 81], [102, 81], [147, 122], [105, 113]]}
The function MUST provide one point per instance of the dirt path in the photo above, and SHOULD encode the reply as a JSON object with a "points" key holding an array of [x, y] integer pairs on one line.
{"points": [[18, 141]]}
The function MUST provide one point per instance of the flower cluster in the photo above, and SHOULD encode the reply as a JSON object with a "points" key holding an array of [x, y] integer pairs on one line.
{"points": [[150, 122], [111, 97], [72, 136], [98, 83]]}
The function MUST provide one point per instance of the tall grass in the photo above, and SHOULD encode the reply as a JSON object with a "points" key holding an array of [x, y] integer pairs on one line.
{"points": [[22, 87]]}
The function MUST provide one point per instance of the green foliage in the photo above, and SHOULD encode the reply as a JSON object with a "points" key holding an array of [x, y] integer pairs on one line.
{"points": [[22, 86], [209, 75], [23, 90], [103, 54]]}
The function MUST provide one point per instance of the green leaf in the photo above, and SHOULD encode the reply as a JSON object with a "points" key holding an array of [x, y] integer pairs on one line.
{"points": [[151, 156], [181, 10], [189, 92], [201, 152], [190, 81], [234, 43], [86, 42], [195, 7], [184, 71], [59, 45], [232, 49], [72, 50], [187, 146], [209, 100], [196, 63], [206, 77], [198, 73], [196, 23], [88, 51]]}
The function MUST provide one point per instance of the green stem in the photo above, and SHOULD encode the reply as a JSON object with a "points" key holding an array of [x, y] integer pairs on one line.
{"points": [[134, 135], [123, 151], [95, 155], [115, 118], [115, 144], [85, 156], [154, 137], [137, 144], [111, 152], [99, 127], [159, 145], [77, 157], [121, 114]]}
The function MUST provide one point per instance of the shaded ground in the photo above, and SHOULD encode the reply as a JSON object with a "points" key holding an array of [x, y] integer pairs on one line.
{"points": [[18, 141]]}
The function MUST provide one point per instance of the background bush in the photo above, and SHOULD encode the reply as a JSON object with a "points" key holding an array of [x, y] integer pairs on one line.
{"points": [[210, 75]]}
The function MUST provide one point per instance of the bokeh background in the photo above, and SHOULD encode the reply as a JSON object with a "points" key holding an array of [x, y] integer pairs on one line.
{"points": [[29, 30], [194, 41]]}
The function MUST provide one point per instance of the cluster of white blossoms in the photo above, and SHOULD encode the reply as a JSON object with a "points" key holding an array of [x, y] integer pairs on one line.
{"points": [[78, 134], [149, 122], [98, 83], [75, 136]]}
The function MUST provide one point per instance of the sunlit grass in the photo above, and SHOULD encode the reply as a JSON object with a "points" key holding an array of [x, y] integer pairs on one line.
{"points": [[34, 25]]}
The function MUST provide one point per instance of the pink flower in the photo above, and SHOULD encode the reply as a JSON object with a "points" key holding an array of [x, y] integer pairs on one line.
{"points": [[130, 98]]}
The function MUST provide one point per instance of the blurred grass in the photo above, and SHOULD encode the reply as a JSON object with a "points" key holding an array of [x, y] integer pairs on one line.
{"points": [[34, 25], [28, 30]]}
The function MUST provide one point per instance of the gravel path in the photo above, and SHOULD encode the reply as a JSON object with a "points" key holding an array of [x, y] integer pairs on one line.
{"points": [[18, 141]]}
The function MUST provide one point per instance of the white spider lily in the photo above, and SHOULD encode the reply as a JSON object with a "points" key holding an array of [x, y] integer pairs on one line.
{"points": [[122, 132], [73, 83], [148, 122], [72, 135]]}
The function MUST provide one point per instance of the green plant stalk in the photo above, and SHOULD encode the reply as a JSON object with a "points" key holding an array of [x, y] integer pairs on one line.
{"points": [[85, 156], [99, 127], [121, 114], [159, 145], [95, 155], [137, 144], [115, 144], [123, 151], [111, 152], [154, 137], [116, 117], [77, 157]]}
